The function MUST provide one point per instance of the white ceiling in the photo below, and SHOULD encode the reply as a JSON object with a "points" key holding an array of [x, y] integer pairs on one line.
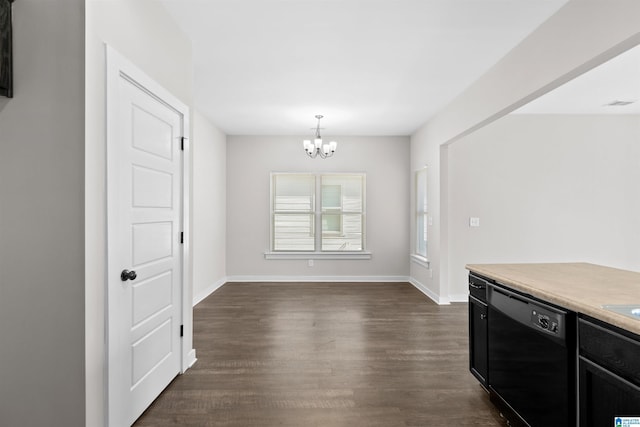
{"points": [[371, 67], [615, 80]]}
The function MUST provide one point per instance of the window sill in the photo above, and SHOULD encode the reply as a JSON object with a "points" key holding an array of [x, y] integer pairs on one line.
{"points": [[318, 255], [420, 260]]}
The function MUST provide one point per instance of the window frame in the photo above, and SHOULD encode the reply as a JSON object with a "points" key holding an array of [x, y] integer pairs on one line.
{"points": [[318, 213], [421, 218]]}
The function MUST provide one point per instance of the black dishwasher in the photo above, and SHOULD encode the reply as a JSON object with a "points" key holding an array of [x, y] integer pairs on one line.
{"points": [[532, 353]]}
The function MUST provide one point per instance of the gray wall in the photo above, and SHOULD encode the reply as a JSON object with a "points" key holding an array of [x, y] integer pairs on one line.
{"points": [[209, 207], [42, 220], [547, 188], [547, 58], [251, 159]]}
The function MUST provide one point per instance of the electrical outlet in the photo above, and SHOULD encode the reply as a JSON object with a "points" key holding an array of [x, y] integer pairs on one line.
{"points": [[310, 263], [474, 222]]}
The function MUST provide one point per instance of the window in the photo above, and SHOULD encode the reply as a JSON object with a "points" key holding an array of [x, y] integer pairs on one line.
{"points": [[293, 212], [421, 212], [342, 212], [295, 215]]}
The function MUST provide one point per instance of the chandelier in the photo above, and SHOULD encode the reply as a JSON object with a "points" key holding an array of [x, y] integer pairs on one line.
{"points": [[315, 148]]}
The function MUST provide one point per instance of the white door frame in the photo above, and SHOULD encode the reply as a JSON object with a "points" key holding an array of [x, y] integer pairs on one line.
{"points": [[117, 67]]}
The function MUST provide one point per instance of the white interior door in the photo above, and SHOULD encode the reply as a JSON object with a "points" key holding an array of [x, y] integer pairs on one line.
{"points": [[144, 239]]}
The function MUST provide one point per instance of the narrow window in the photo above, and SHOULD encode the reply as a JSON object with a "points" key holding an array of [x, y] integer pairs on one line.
{"points": [[421, 212]]}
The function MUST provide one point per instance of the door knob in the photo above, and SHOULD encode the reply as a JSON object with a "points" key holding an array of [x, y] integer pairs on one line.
{"points": [[128, 275]]}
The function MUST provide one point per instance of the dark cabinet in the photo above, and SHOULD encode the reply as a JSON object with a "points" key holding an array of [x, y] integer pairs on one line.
{"points": [[609, 373], [478, 339], [478, 355], [539, 376]]}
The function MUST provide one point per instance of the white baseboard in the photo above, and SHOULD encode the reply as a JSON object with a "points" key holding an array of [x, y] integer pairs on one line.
{"points": [[208, 291], [428, 292], [191, 359], [318, 279]]}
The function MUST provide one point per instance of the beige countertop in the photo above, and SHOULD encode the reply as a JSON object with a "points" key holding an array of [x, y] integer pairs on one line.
{"points": [[579, 287]]}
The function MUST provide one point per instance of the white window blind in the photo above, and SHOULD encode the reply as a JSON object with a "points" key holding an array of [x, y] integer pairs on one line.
{"points": [[295, 215], [342, 212], [293, 212], [421, 212]]}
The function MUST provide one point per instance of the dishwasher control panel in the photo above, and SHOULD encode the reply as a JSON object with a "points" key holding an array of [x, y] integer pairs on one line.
{"points": [[526, 310], [548, 321]]}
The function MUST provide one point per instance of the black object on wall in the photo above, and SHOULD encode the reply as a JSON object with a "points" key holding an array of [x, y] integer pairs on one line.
{"points": [[6, 54]]}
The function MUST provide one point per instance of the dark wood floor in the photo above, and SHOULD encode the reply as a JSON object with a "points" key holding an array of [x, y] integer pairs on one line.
{"points": [[324, 355]]}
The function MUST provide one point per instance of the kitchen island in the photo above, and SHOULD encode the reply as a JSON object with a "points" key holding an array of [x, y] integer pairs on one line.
{"points": [[580, 287], [548, 344]]}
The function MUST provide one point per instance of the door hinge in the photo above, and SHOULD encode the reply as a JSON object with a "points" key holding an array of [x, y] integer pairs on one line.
{"points": [[182, 237], [181, 330]]}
